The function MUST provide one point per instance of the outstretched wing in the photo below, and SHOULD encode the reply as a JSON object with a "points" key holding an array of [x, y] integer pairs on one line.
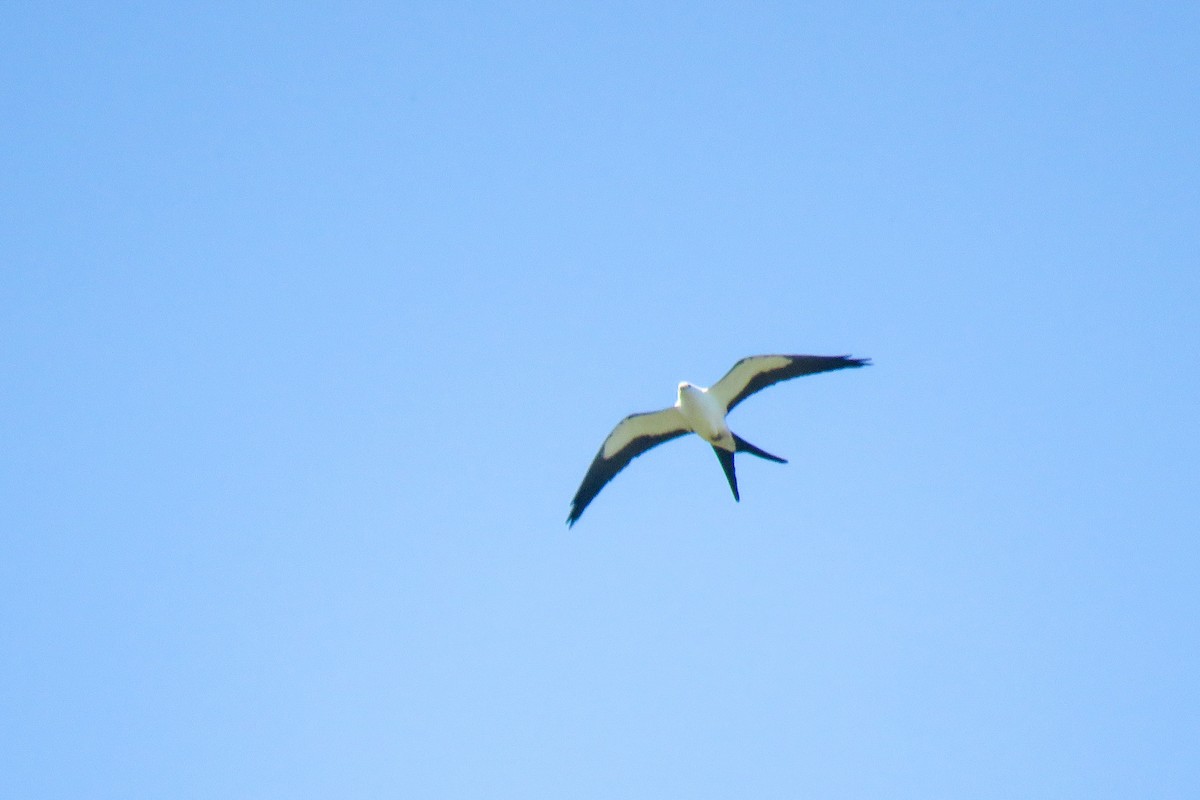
{"points": [[633, 436], [758, 372]]}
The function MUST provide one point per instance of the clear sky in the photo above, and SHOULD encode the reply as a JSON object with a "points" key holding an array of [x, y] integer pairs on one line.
{"points": [[312, 319]]}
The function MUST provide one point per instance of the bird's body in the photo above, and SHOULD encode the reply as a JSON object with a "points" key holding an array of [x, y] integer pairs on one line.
{"points": [[704, 415], [700, 411]]}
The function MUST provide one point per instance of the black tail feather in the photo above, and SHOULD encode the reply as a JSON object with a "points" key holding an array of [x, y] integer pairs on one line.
{"points": [[726, 459], [745, 447]]}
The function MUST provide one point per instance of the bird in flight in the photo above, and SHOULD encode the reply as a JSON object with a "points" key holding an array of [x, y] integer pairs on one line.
{"points": [[702, 412]]}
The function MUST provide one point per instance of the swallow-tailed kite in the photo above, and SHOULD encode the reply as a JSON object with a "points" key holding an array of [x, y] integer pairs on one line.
{"points": [[702, 412]]}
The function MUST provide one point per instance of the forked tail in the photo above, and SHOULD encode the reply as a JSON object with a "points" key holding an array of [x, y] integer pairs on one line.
{"points": [[726, 459], [745, 447]]}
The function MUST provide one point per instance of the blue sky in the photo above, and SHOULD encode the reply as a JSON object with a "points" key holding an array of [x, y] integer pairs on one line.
{"points": [[312, 319]]}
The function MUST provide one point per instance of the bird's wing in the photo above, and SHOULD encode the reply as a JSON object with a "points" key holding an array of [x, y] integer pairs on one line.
{"points": [[758, 372], [633, 436]]}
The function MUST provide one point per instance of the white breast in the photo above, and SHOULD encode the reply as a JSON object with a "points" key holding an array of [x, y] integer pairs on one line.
{"points": [[704, 414]]}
